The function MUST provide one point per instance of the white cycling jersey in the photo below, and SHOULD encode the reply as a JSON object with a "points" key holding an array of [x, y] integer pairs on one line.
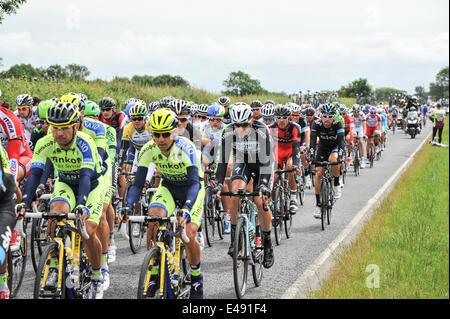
{"points": [[29, 123]]}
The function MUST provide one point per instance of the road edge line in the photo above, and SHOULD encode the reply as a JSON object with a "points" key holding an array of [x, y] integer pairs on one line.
{"points": [[311, 277]]}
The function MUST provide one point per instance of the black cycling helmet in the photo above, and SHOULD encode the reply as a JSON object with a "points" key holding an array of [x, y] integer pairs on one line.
{"points": [[282, 110], [310, 111], [63, 114], [106, 102], [256, 103]]}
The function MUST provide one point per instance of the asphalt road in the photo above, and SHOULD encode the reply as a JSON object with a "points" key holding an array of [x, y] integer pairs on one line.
{"points": [[292, 257]]}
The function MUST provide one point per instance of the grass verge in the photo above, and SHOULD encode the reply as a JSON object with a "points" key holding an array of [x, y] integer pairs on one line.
{"points": [[403, 251]]}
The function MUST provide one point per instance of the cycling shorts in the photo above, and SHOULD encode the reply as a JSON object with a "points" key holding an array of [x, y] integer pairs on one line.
{"points": [[164, 198], [352, 138], [359, 132], [63, 192], [243, 171], [7, 223], [323, 153], [107, 179], [370, 131]]}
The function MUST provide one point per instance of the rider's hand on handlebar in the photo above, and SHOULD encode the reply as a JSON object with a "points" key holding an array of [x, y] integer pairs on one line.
{"points": [[123, 215], [186, 219], [20, 210], [83, 211]]}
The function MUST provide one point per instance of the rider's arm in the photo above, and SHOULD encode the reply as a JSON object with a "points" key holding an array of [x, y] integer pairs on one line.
{"points": [[84, 187], [31, 184], [14, 147], [194, 187], [223, 155], [135, 190], [296, 144]]}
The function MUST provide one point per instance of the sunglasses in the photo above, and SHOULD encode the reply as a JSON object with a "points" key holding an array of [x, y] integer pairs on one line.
{"points": [[281, 117], [23, 107], [158, 135], [202, 117], [182, 119], [215, 120], [107, 109], [267, 118], [243, 125], [137, 118], [328, 116]]}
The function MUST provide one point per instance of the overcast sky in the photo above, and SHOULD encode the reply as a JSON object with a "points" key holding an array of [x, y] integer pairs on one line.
{"points": [[287, 45]]}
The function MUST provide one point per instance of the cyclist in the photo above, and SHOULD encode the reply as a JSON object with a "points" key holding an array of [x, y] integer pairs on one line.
{"points": [[373, 126], [267, 112], [200, 119], [249, 142], [349, 126], [79, 187], [215, 125], [256, 109], [287, 141], [7, 218], [384, 127], [27, 113], [360, 131], [331, 147], [298, 116], [437, 116], [177, 160], [14, 141], [42, 125], [109, 115], [225, 102]]}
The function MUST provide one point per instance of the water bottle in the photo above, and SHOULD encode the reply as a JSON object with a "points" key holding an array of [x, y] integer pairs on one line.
{"points": [[227, 223]]}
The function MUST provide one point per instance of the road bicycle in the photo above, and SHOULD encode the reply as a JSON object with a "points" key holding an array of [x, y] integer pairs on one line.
{"points": [[326, 192], [371, 152], [246, 251], [282, 217], [356, 150], [64, 271], [39, 231], [17, 259], [212, 216], [165, 270]]}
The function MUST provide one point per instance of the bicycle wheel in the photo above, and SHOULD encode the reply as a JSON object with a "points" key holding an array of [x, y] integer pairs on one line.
{"points": [[38, 240], [41, 289], [330, 202], [219, 220], [356, 164], [184, 279], [150, 276], [209, 217], [135, 229], [277, 221], [240, 259], [81, 290], [371, 153], [287, 216], [17, 261], [323, 201]]}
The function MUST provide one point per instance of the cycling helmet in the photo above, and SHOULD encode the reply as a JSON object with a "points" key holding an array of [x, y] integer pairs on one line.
{"points": [[269, 101], [367, 106], [163, 120], [356, 108], [24, 100], [63, 114], [194, 108], [256, 103], [310, 111], [224, 100], [73, 98], [268, 110], [412, 109], [216, 109], [373, 109], [91, 108], [138, 109], [241, 113], [165, 101], [295, 108], [342, 109], [131, 100], [202, 109], [153, 106], [43, 108], [106, 102], [180, 107], [282, 110], [328, 109], [128, 107], [83, 97]]}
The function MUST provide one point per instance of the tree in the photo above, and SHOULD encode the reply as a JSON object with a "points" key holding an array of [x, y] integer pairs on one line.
{"points": [[419, 91], [240, 83], [77, 72], [21, 71], [440, 88], [8, 7], [54, 72], [383, 94], [359, 87]]}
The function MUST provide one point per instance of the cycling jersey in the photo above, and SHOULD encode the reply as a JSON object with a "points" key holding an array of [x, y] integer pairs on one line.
{"points": [[137, 138], [304, 127], [29, 123], [37, 134], [181, 174], [349, 123], [214, 136], [329, 138], [79, 173], [14, 141], [115, 121], [340, 118], [254, 149], [372, 121], [287, 142], [384, 118]]}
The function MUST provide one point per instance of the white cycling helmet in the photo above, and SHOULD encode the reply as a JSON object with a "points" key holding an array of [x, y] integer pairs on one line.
{"points": [[241, 113], [295, 108], [268, 110], [202, 109]]}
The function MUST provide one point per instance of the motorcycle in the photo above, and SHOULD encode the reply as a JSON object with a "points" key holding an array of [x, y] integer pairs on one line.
{"points": [[412, 125]]}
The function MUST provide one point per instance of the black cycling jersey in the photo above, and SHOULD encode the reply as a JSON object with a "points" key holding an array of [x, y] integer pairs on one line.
{"points": [[331, 137], [254, 148]]}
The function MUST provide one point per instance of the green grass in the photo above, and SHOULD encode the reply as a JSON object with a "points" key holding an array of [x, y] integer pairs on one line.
{"points": [[118, 90], [407, 238]]}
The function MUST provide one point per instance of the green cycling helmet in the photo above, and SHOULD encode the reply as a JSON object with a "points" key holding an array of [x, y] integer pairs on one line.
{"points": [[91, 108], [43, 108]]}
